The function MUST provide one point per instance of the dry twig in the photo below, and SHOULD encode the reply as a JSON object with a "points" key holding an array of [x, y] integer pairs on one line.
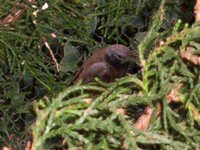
{"points": [[51, 53], [173, 95], [197, 11], [144, 120], [186, 54], [15, 14]]}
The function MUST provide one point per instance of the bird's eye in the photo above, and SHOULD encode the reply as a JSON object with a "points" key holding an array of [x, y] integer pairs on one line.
{"points": [[116, 56], [115, 59], [119, 56]]}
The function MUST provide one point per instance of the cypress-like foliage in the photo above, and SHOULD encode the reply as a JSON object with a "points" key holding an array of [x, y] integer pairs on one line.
{"points": [[43, 43]]}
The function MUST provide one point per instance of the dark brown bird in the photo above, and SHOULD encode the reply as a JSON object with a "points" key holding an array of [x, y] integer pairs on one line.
{"points": [[107, 64]]}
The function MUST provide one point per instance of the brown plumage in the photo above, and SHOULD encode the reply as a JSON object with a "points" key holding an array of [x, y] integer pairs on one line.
{"points": [[107, 64]]}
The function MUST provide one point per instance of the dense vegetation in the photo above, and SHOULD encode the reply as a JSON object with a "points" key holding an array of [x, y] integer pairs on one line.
{"points": [[41, 49]]}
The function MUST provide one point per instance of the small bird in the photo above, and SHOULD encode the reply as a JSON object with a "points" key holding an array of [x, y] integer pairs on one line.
{"points": [[107, 64]]}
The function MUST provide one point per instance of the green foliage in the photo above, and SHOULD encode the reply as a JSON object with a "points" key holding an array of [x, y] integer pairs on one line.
{"points": [[70, 59], [72, 117]]}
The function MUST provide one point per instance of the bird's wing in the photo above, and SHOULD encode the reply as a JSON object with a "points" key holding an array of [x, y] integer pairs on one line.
{"points": [[95, 58], [99, 69]]}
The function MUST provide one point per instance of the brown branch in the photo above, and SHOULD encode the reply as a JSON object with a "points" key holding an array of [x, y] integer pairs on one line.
{"points": [[51, 53], [173, 95], [197, 11], [10, 19], [186, 54], [144, 120], [15, 14]]}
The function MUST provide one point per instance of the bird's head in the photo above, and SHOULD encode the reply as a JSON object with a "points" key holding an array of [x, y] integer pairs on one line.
{"points": [[118, 55]]}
